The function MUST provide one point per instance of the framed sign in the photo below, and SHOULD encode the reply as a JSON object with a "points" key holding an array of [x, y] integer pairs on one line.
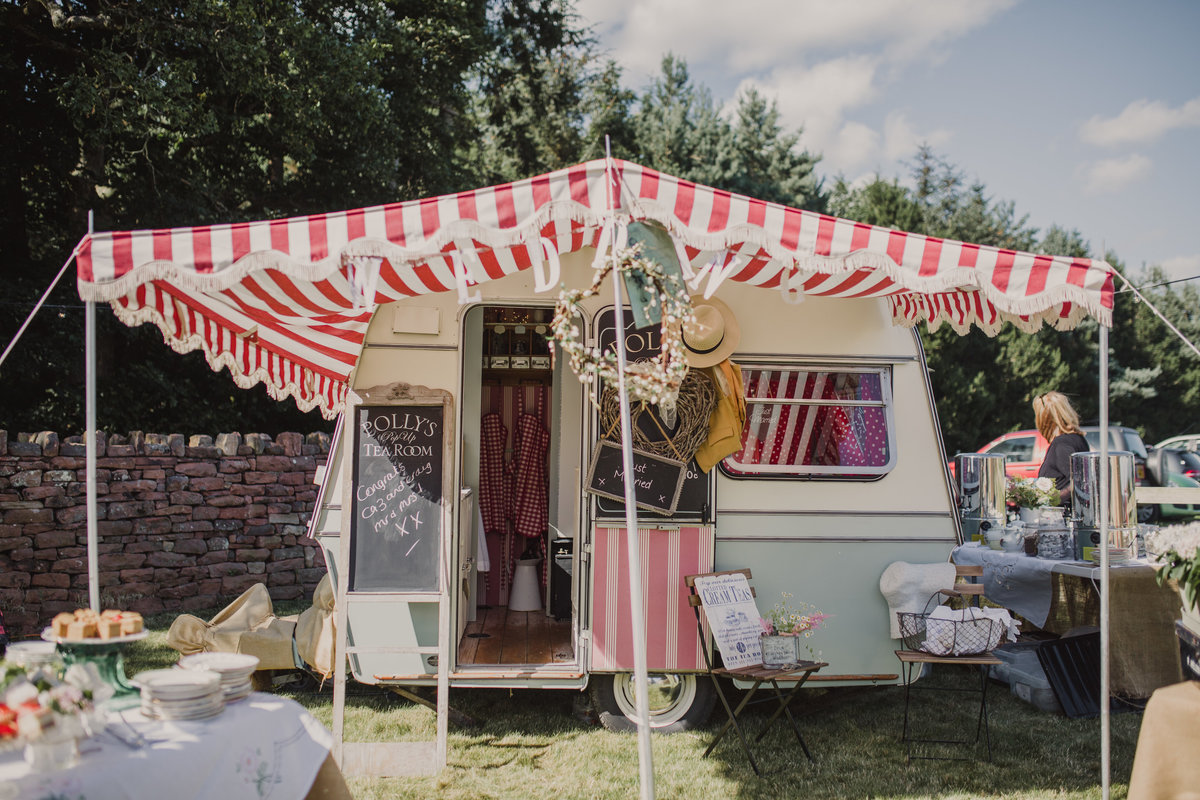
{"points": [[694, 498], [657, 480], [732, 616], [396, 510]]}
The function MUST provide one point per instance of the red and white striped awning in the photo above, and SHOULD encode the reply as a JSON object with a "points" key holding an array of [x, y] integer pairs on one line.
{"points": [[287, 302]]}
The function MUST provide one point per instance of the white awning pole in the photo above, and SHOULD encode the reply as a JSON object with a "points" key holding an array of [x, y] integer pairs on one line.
{"points": [[89, 435], [1105, 722], [636, 612]]}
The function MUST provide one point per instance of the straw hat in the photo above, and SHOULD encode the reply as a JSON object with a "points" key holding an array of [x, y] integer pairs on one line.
{"points": [[714, 335]]}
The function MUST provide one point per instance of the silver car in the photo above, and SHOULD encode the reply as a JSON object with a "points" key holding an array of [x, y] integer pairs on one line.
{"points": [[1190, 441]]}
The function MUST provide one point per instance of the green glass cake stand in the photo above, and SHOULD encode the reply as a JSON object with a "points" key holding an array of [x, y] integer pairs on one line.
{"points": [[108, 657]]}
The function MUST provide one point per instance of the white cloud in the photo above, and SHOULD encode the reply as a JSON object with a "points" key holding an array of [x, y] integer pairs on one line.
{"points": [[1113, 174], [818, 97], [748, 37], [854, 147], [822, 62], [901, 139], [1141, 121], [822, 98]]}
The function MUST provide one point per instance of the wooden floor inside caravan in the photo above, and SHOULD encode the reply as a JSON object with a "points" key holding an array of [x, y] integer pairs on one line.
{"points": [[500, 636]]}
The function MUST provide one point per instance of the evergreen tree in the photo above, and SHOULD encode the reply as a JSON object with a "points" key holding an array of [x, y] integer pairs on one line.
{"points": [[679, 130], [878, 202], [767, 162], [531, 88], [1156, 379], [609, 109]]}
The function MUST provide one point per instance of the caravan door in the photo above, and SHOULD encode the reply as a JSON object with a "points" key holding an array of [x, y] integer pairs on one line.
{"points": [[521, 424]]}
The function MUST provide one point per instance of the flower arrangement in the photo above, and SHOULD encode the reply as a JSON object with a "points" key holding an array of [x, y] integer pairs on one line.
{"points": [[1032, 492], [42, 703], [785, 620], [1177, 551]]}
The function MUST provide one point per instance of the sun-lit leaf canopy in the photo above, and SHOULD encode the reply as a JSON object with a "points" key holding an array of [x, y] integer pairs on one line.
{"points": [[287, 302]]}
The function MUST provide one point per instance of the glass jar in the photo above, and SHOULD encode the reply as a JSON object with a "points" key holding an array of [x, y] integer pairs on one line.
{"points": [[1055, 542]]}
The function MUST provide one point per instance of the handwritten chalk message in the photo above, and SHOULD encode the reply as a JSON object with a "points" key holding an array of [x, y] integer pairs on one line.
{"points": [[397, 514], [657, 481], [693, 498], [732, 617]]}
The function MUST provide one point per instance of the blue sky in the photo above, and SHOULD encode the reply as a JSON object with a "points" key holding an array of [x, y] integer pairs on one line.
{"points": [[1084, 113]]}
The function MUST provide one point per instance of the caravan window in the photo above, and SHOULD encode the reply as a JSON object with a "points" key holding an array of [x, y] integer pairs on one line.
{"points": [[815, 423]]}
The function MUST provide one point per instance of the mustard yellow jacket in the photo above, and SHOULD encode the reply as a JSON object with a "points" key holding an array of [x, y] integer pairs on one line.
{"points": [[728, 417]]}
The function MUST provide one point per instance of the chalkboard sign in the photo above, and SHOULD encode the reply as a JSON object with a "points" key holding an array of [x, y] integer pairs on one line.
{"points": [[641, 344], [693, 498], [657, 480], [397, 506]]}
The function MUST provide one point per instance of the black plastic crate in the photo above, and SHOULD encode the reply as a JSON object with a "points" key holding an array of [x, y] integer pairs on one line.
{"points": [[1072, 666]]}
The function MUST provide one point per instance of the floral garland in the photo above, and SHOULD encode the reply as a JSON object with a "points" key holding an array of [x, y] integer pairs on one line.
{"points": [[656, 380]]}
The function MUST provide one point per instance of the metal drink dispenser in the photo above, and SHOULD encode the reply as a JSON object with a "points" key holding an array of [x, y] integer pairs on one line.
{"points": [[1122, 507], [981, 482]]}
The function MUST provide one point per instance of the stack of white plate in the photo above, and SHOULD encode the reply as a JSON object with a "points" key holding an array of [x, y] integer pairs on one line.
{"points": [[1115, 555], [235, 670], [180, 694]]}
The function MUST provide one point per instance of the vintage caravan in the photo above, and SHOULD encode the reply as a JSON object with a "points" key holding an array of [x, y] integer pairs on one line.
{"points": [[807, 522], [468, 513]]}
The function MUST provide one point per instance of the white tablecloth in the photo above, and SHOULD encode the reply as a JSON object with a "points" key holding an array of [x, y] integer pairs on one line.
{"points": [[261, 747], [1014, 580]]}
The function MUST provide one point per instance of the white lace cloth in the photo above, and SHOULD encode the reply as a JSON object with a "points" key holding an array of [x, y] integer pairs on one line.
{"points": [[957, 632], [263, 746]]}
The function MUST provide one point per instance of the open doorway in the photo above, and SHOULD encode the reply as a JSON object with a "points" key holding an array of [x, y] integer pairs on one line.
{"points": [[522, 611]]}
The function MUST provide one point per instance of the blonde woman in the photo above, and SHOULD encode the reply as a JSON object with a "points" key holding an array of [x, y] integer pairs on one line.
{"points": [[1059, 424]]}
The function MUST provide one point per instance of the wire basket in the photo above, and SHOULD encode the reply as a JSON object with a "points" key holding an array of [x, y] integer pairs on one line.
{"points": [[947, 637]]}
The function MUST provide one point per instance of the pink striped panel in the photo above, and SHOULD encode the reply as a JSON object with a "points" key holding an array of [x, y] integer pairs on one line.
{"points": [[667, 555]]}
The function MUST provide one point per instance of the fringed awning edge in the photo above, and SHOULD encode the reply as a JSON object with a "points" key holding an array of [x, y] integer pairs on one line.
{"points": [[306, 398]]}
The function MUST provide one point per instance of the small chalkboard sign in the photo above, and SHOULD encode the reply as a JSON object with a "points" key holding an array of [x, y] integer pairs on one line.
{"points": [[657, 480], [396, 524], [693, 498]]}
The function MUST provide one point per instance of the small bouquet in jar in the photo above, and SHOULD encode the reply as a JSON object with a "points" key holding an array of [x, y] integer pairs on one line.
{"points": [[1032, 492]]}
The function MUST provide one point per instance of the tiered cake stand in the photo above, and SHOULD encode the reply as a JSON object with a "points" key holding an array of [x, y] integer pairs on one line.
{"points": [[108, 657]]}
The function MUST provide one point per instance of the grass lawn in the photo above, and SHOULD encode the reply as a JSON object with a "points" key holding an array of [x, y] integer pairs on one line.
{"points": [[545, 744]]}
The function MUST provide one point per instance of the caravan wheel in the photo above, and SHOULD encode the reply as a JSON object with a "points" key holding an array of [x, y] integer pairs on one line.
{"points": [[677, 702]]}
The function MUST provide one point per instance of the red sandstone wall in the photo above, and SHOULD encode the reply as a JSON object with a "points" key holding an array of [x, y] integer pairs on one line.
{"points": [[182, 525]]}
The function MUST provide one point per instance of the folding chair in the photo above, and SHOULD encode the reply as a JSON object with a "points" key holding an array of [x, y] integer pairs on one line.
{"points": [[755, 673], [913, 661]]}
